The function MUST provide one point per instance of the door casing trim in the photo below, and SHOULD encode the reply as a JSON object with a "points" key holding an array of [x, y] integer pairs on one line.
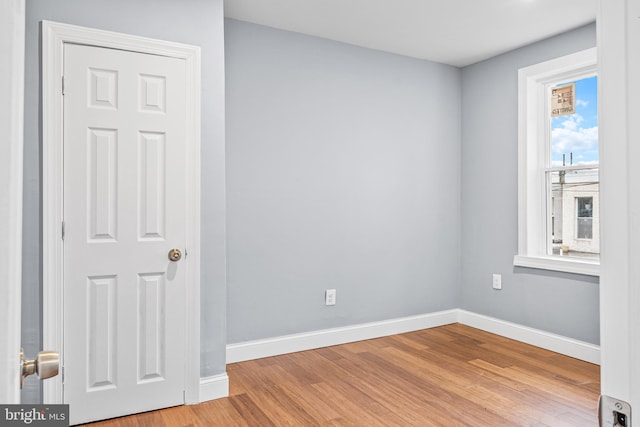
{"points": [[12, 20], [54, 36]]}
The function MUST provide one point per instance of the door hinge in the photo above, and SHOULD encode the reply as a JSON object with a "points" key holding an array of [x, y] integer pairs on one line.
{"points": [[62, 85], [62, 374], [62, 230]]}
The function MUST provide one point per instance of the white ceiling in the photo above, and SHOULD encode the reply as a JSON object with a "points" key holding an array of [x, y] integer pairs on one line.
{"points": [[456, 32]]}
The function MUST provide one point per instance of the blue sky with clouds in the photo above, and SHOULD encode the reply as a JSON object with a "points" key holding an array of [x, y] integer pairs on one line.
{"points": [[578, 133]]}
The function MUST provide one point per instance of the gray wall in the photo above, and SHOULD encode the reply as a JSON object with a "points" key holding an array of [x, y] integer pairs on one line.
{"points": [[196, 22], [343, 169], [565, 304]]}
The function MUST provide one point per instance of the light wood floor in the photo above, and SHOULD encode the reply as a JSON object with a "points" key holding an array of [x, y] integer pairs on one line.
{"points": [[447, 376]]}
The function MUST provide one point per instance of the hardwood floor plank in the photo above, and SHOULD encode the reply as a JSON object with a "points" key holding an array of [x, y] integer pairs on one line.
{"points": [[321, 409], [250, 411], [456, 396], [150, 419], [579, 396], [180, 416], [218, 413], [382, 386], [357, 407], [278, 405], [452, 375]]}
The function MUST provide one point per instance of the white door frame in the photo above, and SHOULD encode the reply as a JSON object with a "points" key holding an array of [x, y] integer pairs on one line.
{"points": [[619, 63], [12, 37], [54, 36]]}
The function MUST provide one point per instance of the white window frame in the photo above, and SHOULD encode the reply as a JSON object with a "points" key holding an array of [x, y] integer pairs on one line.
{"points": [[533, 160]]}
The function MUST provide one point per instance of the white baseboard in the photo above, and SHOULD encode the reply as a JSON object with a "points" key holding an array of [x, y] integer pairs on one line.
{"points": [[214, 387], [257, 349], [250, 350], [560, 344]]}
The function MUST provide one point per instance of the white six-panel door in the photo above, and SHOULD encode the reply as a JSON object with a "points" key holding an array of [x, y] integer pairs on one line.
{"points": [[124, 210]]}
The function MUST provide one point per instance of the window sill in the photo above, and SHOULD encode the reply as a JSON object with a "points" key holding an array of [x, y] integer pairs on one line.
{"points": [[566, 265]]}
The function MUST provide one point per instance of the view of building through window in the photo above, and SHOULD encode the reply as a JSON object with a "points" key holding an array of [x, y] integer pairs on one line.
{"points": [[572, 175]]}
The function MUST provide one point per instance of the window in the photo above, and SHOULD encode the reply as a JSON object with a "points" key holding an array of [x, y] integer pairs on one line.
{"points": [[584, 218], [572, 171], [558, 165]]}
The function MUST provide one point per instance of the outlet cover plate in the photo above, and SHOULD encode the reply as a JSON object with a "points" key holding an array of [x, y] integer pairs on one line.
{"points": [[330, 297], [497, 281]]}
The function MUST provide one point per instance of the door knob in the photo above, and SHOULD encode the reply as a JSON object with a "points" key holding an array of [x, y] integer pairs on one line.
{"points": [[175, 255], [46, 365]]}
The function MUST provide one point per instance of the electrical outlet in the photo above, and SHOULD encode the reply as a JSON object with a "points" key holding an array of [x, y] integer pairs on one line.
{"points": [[497, 281], [330, 297]]}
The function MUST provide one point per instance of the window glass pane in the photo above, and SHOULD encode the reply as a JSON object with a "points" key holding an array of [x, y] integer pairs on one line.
{"points": [[585, 228], [574, 137], [574, 213], [585, 207]]}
